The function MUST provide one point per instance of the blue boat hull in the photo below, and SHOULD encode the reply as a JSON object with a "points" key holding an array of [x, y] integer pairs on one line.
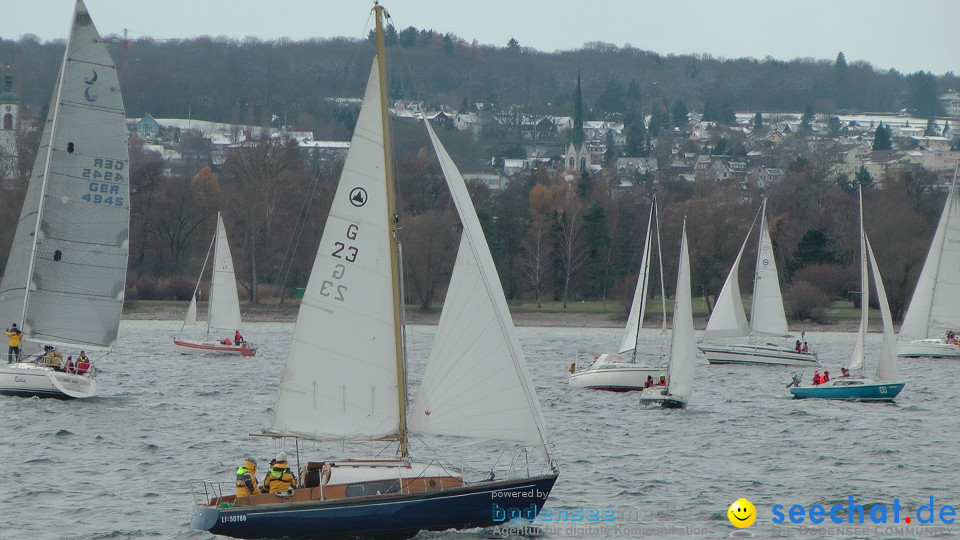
{"points": [[860, 392], [482, 504]]}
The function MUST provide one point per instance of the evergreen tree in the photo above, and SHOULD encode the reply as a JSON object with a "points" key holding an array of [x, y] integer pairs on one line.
{"points": [[610, 157], [946, 127], [679, 114], [863, 178], [882, 139], [726, 115], [659, 118], [923, 99], [448, 44], [932, 129], [636, 135], [834, 126], [513, 45], [612, 100], [464, 107], [597, 237], [758, 121], [807, 118], [841, 63]]}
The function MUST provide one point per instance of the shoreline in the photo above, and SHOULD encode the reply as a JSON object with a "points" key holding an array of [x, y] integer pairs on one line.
{"points": [[548, 319]]}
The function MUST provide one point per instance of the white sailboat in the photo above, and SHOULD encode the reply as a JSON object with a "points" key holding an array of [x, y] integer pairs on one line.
{"points": [[857, 387], [619, 372], [767, 318], [935, 307], [345, 375], [65, 276], [223, 311], [683, 351]]}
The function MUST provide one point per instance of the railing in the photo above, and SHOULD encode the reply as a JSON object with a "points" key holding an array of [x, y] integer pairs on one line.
{"points": [[205, 491]]}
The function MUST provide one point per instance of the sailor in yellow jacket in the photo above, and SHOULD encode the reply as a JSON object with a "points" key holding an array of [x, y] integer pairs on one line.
{"points": [[13, 342], [247, 478], [279, 478]]}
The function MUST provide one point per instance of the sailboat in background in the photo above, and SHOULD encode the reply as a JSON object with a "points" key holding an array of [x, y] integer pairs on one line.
{"points": [[683, 350], [345, 378], [65, 276], [859, 388], [767, 318], [935, 307], [614, 372], [223, 311]]}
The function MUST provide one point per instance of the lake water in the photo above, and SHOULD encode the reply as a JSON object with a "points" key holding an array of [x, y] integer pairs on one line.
{"points": [[116, 466]]}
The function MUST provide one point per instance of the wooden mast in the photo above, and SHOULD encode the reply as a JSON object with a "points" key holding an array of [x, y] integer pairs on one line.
{"points": [[379, 13]]}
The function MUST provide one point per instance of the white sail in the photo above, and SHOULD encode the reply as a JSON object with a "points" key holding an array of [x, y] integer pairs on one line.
{"points": [[476, 382], [887, 364], [191, 318], [340, 378], [683, 351], [639, 306], [767, 317], [67, 269], [224, 310], [934, 308], [728, 318], [856, 358]]}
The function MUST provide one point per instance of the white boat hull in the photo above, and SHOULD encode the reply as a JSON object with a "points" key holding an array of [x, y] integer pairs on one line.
{"points": [[931, 348], [28, 380], [212, 347], [763, 355], [619, 377]]}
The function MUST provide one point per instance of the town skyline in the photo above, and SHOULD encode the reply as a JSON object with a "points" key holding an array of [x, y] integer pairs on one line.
{"points": [[741, 29]]}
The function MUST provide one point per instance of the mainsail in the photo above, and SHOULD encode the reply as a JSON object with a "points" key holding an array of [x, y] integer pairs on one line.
{"points": [[66, 273], [476, 382], [767, 317], [683, 351], [934, 308], [639, 305], [340, 378], [224, 312]]}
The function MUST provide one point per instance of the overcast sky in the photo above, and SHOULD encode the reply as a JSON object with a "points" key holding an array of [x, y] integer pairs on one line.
{"points": [[902, 34]]}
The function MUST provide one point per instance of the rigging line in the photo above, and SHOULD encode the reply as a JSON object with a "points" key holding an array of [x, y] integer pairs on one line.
{"points": [[301, 225]]}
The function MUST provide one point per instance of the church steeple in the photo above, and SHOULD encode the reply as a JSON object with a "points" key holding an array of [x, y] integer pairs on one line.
{"points": [[9, 104], [577, 137]]}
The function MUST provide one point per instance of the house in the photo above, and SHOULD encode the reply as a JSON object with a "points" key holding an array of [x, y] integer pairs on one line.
{"points": [[148, 128], [951, 103]]}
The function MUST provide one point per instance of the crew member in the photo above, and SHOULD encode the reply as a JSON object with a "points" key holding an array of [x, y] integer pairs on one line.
{"points": [[13, 341], [279, 478], [247, 478], [83, 363]]}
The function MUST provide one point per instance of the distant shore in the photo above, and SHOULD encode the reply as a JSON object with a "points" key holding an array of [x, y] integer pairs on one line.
{"points": [[172, 311]]}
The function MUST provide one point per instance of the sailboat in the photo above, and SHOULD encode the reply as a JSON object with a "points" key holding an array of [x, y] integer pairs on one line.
{"points": [[884, 387], [345, 377], [223, 312], [683, 351], [65, 276], [615, 372], [767, 318], [934, 309]]}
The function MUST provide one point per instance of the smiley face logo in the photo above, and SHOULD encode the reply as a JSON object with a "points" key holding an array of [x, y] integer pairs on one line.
{"points": [[742, 513]]}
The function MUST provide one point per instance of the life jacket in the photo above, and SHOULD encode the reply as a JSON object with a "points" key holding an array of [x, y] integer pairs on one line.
{"points": [[247, 481], [83, 365], [226, 341], [279, 479], [817, 378]]}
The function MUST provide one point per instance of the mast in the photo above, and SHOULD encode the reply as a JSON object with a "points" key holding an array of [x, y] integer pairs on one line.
{"points": [[46, 170], [663, 288], [379, 14], [864, 285], [756, 264]]}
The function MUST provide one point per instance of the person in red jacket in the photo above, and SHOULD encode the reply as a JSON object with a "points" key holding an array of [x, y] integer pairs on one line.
{"points": [[825, 378], [816, 377]]}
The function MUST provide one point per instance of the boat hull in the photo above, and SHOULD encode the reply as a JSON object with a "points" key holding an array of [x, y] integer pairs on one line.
{"points": [[29, 380], [615, 377], [759, 355], [190, 347], [928, 348], [850, 389], [482, 504]]}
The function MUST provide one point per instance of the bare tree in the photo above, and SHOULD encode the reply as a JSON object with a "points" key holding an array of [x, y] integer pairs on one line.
{"points": [[429, 246], [567, 229]]}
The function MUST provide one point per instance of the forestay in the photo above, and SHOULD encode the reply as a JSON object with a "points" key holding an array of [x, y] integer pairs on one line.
{"points": [[67, 267], [476, 382], [856, 358], [224, 310], [340, 378]]}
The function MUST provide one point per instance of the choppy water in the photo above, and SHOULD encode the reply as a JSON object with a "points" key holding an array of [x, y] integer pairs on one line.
{"points": [[116, 466]]}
